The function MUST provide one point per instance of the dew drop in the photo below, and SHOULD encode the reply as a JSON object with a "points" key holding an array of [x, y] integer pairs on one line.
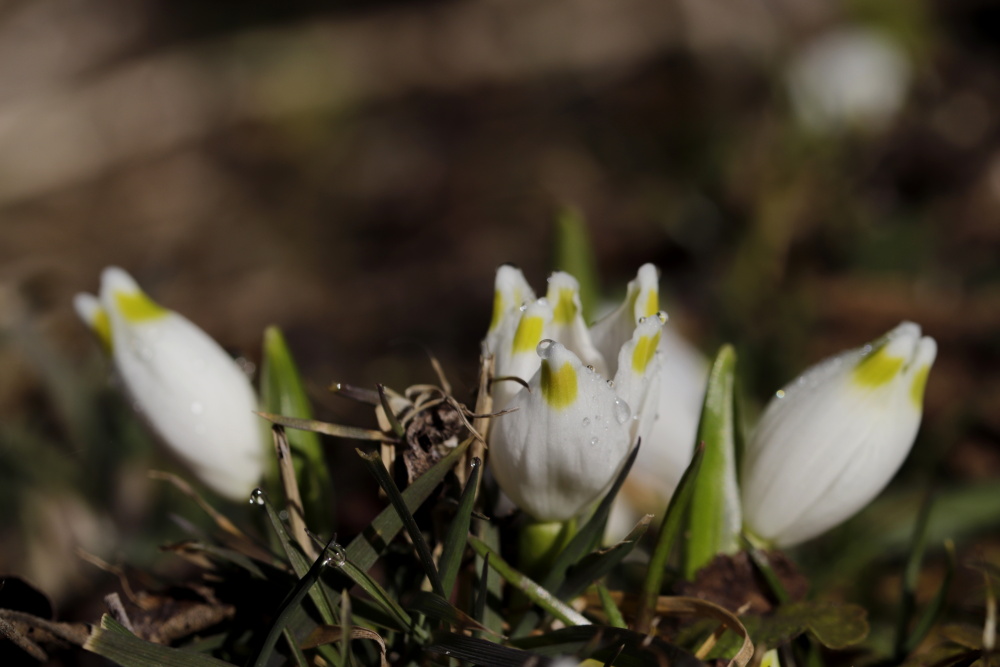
{"points": [[476, 462], [780, 393], [590, 368], [257, 496], [544, 348], [334, 557], [611, 384], [283, 515], [594, 440], [622, 411], [586, 421], [523, 307]]}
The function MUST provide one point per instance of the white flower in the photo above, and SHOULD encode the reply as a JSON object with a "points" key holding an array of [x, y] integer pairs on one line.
{"points": [[193, 395], [831, 440], [849, 77], [571, 429]]}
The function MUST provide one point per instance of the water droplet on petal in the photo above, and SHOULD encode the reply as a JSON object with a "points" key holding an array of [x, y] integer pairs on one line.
{"points": [[586, 421], [622, 411], [611, 383], [780, 393], [590, 368], [544, 348], [594, 440]]}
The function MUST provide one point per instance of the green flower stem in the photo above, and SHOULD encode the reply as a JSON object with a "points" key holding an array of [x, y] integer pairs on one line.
{"points": [[540, 542]]}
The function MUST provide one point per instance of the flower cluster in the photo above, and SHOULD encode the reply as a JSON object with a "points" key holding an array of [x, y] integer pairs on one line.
{"points": [[194, 396], [570, 428]]}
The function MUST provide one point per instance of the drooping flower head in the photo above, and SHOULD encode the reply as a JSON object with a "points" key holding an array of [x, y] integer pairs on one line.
{"points": [[571, 428], [193, 395], [831, 440]]}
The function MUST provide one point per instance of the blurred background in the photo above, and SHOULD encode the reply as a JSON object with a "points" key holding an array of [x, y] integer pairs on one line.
{"points": [[806, 174]]}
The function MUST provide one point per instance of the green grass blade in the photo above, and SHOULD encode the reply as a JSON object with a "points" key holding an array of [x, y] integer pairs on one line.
{"points": [[597, 565], [364, 550], [379, 595], [300, 564], [715, 514], [116, 643], [456, 539], [611, 610], [911, 575], [574, 254], [293, 601], [374, 463], [298, 657], [670, 532], [935, 607], [532, 590]]}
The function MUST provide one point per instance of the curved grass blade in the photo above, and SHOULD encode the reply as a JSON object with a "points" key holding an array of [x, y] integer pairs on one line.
{"points": [[455, 540], [604, 643], [581, 544], [611, 610], [715, 515], [283, 393], [596, 565], [911, 576], [483, 652], [364, 549], [936, 605], [670, 531], [390, 415], [112, 641], [533, 591], [374, 463], [293, 647], [437, 608], [379, 596], [300, 564]]}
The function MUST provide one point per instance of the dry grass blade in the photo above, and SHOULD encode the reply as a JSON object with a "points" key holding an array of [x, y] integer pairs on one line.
{"points": [[668, 604], [293, 499], [42, 631], [8, 631], [328, 634], [484, 406], [336, 430], [238, 540]]}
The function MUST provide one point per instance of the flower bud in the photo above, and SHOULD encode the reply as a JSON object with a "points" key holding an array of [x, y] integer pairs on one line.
{"points": [[562, 446], [831, 440], [192, 394]]}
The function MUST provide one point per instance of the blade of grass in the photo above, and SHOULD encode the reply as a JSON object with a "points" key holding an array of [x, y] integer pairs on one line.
{"points": [[364, 550], [596, 565], [533, 591], [455, 540], [293, 647], [346, 629], [293, 601], [437, 608], [911, 575], [611, 610], [284, 393], [715, 513], [936, 605], [397, 428], [670, 531], [336, 430], [112, 641], [300, 564], [374, 463]]}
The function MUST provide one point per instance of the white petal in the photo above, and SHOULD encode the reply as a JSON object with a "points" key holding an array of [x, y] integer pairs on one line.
{"points": [[637, 381], [568, 326], [192, 393], [641, 300], [515, 355], [831, 440], [510, 292], [566, 441]]}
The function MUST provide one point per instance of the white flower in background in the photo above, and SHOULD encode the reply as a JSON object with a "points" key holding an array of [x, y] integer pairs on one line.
{"points": [[193, 395], [852, 77], [831, 440], [572, 429]]}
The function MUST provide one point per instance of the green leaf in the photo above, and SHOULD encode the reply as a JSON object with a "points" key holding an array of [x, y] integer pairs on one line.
{"points": [[490, 593], [715, 515], [455, 541], [283, 393], [611, 610], [116, 643], [437, 608], [596, 565], [532, 590], [834, 625], [670, 532], [364, 549], [373, 461], [574, 255]]}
